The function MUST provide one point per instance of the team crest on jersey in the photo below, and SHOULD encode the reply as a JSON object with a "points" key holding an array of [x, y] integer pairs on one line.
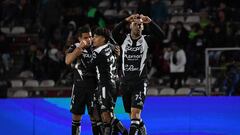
{"points": [[94, 55]]}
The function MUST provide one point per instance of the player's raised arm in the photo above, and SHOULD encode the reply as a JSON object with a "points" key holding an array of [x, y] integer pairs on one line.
{"points": [[74, 51], [117, 31], [155, 29]]}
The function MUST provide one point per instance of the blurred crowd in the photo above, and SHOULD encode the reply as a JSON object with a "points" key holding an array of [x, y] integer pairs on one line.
{"points": [[35, 33]]}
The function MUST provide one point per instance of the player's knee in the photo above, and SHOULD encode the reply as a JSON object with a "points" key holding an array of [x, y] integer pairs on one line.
{"points": [[135, 113], [106, 117], [77, 117]]}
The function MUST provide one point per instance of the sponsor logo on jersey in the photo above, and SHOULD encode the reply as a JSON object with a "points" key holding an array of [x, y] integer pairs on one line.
{"points": [[133, 49], [133, 57], [131, 68], [87, 55]]}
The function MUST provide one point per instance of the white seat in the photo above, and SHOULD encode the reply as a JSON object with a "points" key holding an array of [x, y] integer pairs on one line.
{"points": [[16, 83], [110, 12], [193, 19], [47, 83], [183, 91], [26, 74], [20, 93], [31, 83], [198, 91], [104, 4], [167, 2], [167, 91], [18, 30], [178, 3], [213, 80], [175, 19], [5, 30], [124, 12], [133, 4], [152, 91], [193, 81]]}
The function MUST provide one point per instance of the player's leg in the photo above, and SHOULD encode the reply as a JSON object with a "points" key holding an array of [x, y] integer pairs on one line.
{"points": [[94, 114], [116, 124], [106, 114], [138, 98], [117, 127], [142, 128], [127, 98], [76, 126], [77, 108]]}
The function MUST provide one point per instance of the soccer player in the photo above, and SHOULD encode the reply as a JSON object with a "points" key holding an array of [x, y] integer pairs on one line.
{"points": [[79, 55], [135, 49], [104, 60]]}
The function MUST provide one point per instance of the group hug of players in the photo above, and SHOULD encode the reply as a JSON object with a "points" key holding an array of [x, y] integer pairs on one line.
{"points": [[95, 62]]}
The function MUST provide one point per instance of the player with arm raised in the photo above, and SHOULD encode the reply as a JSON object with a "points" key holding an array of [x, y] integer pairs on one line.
{"points": [[135, 49], [79, 56]]}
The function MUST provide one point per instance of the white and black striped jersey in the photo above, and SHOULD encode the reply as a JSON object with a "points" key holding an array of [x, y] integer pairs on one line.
{"points": [[83, 64], [135, 52], [105, 63]]}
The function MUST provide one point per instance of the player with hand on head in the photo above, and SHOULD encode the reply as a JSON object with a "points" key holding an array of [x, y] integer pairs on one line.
{"points": [[135, 49]]}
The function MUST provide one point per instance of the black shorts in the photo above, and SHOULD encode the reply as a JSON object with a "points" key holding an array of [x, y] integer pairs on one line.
{"points": [[82, 97], [134, 95], [107, 97]]}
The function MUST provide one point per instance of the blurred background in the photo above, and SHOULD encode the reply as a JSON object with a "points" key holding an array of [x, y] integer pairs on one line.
{"points": [[34, 35]]}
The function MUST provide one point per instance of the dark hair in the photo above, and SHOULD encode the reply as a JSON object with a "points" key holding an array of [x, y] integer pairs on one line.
{"points": [[103, 32], [83, 29]]}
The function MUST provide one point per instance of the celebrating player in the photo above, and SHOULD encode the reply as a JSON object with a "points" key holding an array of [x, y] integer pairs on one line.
{"points": [[85, 81], [135, 49]]}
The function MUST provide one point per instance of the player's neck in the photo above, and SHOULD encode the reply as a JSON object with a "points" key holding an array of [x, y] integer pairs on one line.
{"points": [[135, 36]]}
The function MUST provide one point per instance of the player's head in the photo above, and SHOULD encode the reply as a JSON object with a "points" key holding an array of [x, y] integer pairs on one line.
{"points": [[101, 37], [137, 27], [84, 33]]}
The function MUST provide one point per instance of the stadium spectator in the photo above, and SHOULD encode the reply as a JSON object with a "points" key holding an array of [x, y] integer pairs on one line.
{"points": [[177, 58], [180, 35]]}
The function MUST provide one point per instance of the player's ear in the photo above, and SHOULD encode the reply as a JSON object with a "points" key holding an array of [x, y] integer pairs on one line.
{"points": [[79, 38], [131, 25], [142, 27]]}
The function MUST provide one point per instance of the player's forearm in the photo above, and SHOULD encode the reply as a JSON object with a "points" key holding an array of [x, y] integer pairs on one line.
{"points": [[70, 57], [116, 32], [156, 30]]}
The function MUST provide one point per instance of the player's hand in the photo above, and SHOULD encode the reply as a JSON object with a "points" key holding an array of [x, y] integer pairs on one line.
{"points": [[84, 44], [117, 51], [132, 17], [145, 19]]}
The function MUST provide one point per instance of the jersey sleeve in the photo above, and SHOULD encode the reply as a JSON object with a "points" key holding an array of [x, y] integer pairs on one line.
{"points": [[117, 33], [71, 48], [156, 33]]}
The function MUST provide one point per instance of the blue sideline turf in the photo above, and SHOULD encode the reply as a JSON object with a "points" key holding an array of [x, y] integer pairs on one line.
{"points": [[162, 115]]}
